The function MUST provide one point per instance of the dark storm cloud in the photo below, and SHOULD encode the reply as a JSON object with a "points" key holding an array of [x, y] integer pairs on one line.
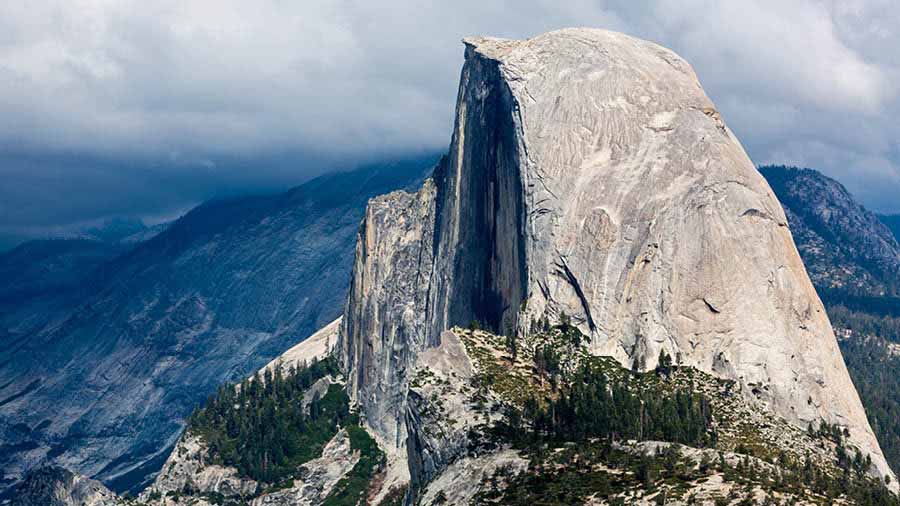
{"points": [[168, 102]]}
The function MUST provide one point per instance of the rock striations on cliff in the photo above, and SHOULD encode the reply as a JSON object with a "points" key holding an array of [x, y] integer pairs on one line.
{"points": [[590, 176]]}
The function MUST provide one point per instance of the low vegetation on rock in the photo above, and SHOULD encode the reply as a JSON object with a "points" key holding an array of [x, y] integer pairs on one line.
{"points": [[352, 488], [292, 434], [597, 433]]}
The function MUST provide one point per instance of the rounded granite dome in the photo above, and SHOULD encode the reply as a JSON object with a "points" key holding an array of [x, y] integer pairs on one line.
{"points": [[589, 174]]}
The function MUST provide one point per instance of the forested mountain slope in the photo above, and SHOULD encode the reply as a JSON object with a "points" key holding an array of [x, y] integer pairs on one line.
{"points": [[100, 380]]}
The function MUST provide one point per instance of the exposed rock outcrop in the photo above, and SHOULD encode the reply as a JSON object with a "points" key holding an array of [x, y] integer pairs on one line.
{"points": [[462, 479], [440, 416], [317, 477], [54, 486], [590, 175], [314, 347], [188, 469]]}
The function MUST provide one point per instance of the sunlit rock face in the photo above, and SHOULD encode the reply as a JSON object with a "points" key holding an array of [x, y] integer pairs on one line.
{"points": [[589, 174], [384, 320]]}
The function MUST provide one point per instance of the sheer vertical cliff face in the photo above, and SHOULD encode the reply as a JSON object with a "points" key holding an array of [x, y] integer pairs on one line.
{"points": [[479, 236], [384, 321], [590, 175], [452, 254]]}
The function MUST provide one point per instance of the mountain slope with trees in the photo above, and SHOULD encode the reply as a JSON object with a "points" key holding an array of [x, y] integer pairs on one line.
{"points": [[845, 247], [100, 377]]}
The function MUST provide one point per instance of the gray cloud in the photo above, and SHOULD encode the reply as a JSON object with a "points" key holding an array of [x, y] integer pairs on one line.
{"points": [[173, 93]]}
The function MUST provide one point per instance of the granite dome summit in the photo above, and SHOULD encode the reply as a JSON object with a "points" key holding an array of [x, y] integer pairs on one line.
{"points": [[590, 175]]}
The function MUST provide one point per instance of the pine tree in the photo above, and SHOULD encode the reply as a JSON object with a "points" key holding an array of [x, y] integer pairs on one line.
{"points": [[664, 365]]}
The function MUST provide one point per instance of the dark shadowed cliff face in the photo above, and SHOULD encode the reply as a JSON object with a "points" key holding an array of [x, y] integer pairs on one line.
{"points": [[845, 247], [101, 381]]}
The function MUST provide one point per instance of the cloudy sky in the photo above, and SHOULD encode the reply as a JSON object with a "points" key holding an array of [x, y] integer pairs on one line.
{"points": [[144, 108]]}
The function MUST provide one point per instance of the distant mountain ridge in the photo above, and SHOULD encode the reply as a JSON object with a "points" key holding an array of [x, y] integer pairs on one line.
{"points": [[54, 268], [111, 349], [117, 230], [845, 246]]}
